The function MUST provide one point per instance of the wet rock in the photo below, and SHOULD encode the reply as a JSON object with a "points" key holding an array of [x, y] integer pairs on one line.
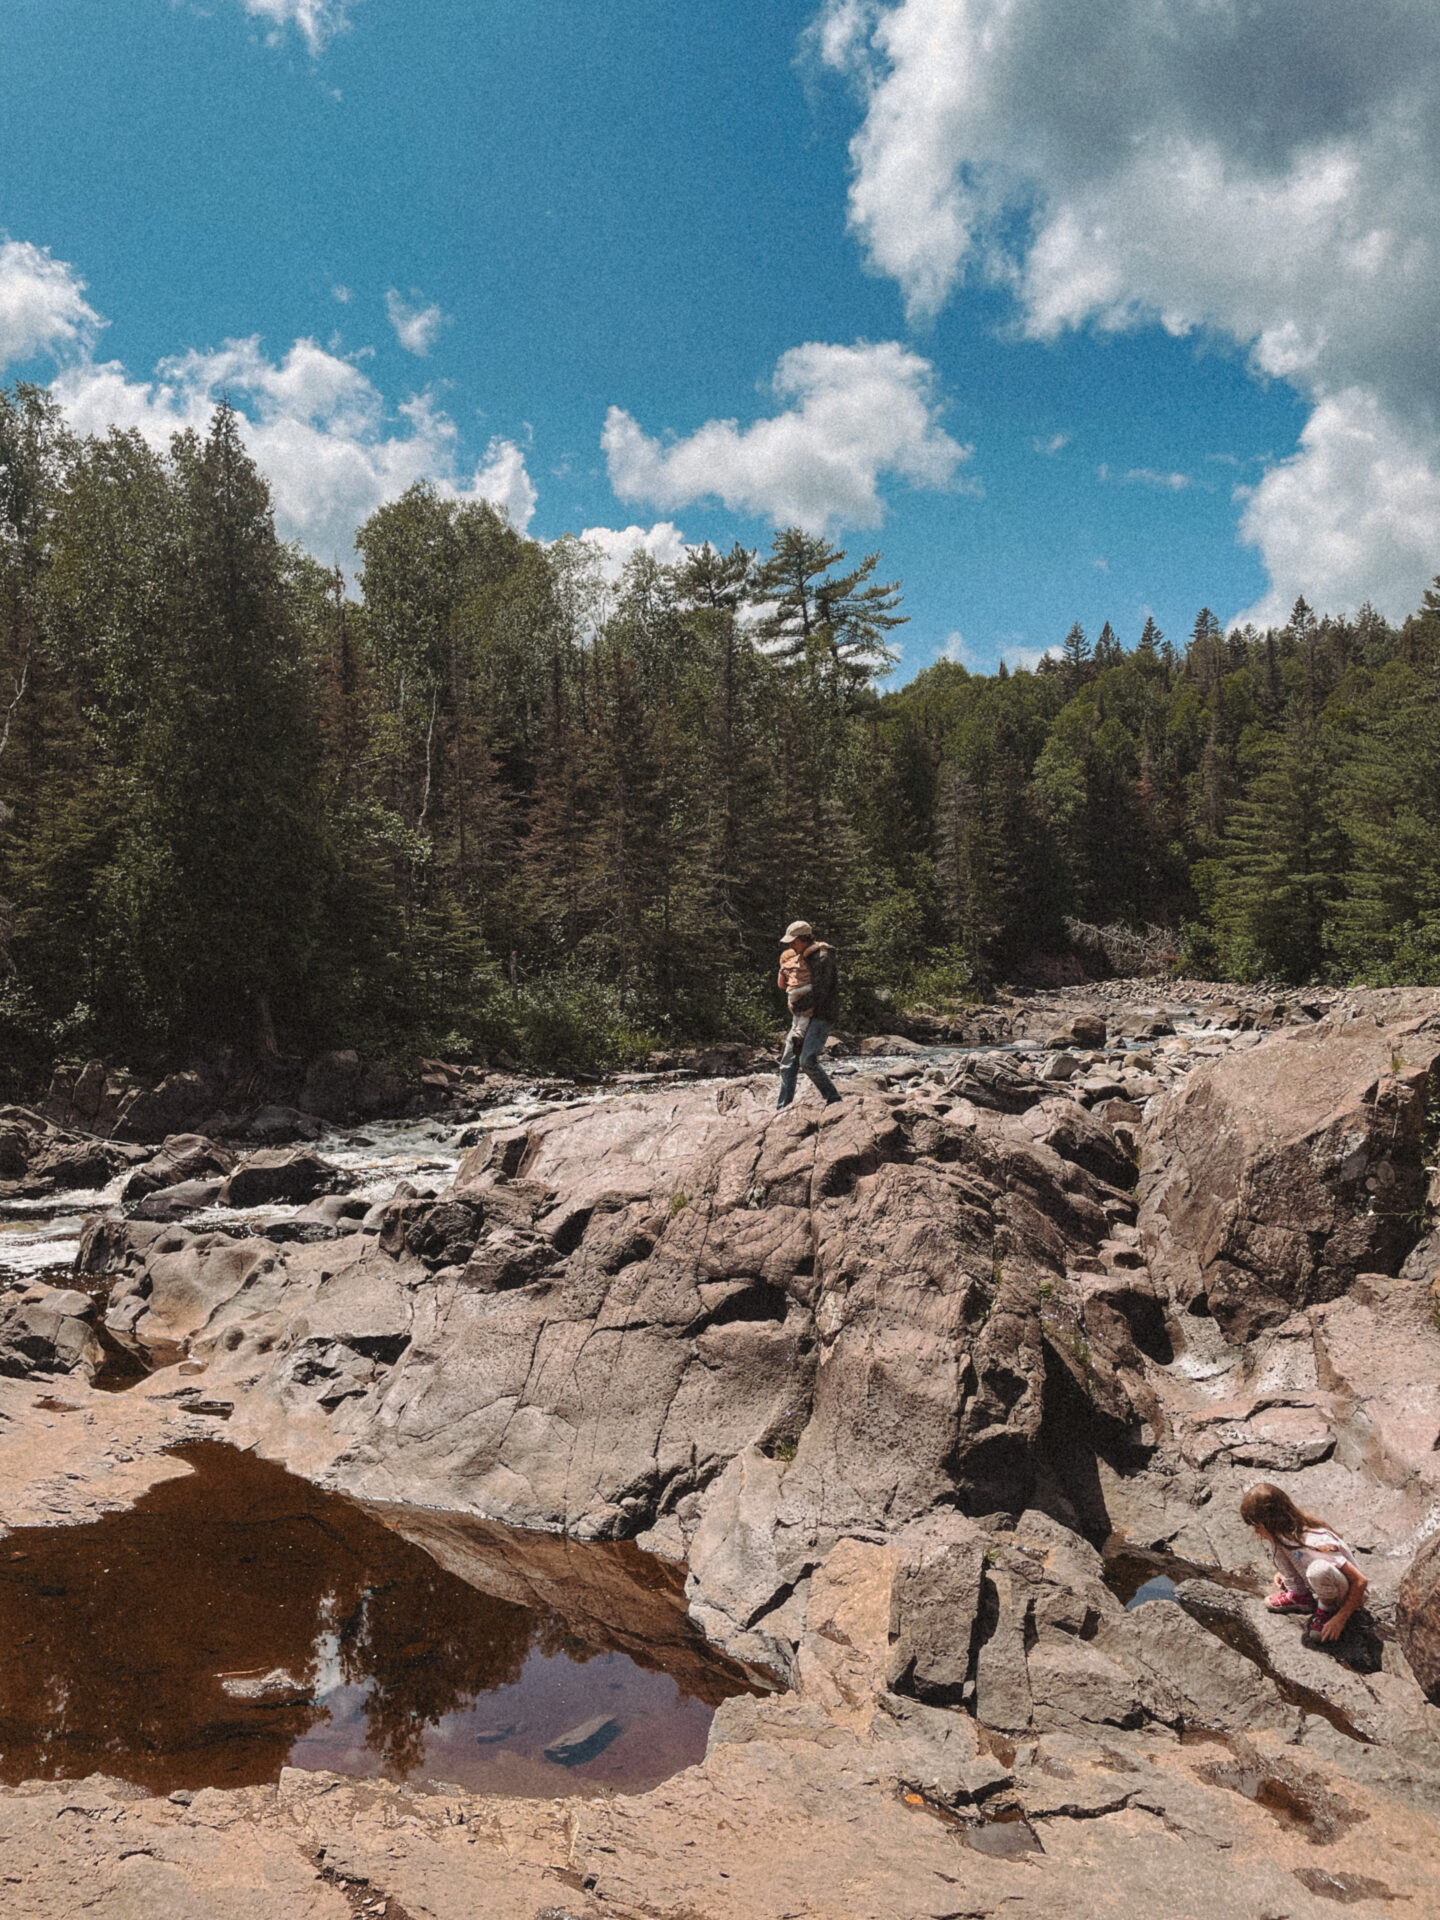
{"points": [[280, 1175], [1275, 1176], [439, 1234], [1417, 1617], [183, 1158], [279, 1126], [584, 1742], [178, 1202]]}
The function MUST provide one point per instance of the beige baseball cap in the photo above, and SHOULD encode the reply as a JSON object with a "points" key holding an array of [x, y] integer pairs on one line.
{"points": [[798, 930]]}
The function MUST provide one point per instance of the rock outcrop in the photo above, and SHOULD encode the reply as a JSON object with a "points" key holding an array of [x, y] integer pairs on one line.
{"points": [[892, 1380], [1277, 1175], [1418, 1617]]}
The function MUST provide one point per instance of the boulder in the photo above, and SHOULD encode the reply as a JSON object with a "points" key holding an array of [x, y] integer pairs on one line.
{"points": [[279, 1126], [1085, 1030], [47, 1330], [181, 1101], [65, 1165], [185, 1157], [618, 1301], [178, 1202], [180, 1279], [992, 1080], [1077, 1134], [332, 1086], [283, 1176], [1274, 1176], [1417, 1617]]}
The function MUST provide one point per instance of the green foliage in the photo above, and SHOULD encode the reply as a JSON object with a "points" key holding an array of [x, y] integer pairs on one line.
{"points": [[503, 801]]}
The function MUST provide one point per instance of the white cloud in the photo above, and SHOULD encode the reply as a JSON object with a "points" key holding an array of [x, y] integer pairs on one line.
{"points": [[952, 648], [43, 308], [1263, 170], [1352, 516], [1050, 444], [317, 427], [317, 20], [415, 327], [616, 545], [1145, 477], [858, 413], [1022, 658]]}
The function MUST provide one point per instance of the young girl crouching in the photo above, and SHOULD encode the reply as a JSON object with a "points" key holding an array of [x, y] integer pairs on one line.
{"points": [[1314, 1571]]}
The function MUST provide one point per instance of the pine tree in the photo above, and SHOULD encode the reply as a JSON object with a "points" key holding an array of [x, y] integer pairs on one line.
{"points": [[1075, 662], [832, 623]]}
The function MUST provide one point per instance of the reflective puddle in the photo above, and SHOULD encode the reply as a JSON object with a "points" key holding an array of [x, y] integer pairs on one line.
{"points": [[239, 1620]]}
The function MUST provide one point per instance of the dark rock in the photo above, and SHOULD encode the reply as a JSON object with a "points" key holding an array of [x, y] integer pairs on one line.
{"points": [[179, 1103], [332, 1086], [280, 1126], [64, 1165], [177, 1202], [441, 1235], [47, 1331], [185, 1157], [584, 1742], [281, 1176]]}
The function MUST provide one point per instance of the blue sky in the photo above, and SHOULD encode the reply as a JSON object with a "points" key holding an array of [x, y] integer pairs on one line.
{"points": [[496, 223]]}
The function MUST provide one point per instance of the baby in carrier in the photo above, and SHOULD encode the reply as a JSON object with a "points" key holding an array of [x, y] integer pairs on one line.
{"points": [[795, 979]]}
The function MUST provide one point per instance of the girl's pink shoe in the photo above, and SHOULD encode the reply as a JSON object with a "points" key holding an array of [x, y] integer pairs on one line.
{"points": [[1311, 1635], [1292, 1600]]}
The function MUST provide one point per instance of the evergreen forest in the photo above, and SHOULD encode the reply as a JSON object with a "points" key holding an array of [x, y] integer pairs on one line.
{"points": [[486, 797]]}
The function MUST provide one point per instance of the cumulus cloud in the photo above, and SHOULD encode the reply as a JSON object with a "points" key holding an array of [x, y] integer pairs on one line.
{"points": [[43, 308], [318, 21], [1266, 171], [317, 427], [1371, 484], [415, 327], [1050, 444], [617, 545], [857, 413]]}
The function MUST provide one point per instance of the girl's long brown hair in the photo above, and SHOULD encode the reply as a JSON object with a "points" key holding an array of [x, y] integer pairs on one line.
{"points": [[1272, 1508]]}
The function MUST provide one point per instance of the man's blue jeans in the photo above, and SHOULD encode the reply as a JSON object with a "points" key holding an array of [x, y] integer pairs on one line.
{"points": [[803, 1056]]}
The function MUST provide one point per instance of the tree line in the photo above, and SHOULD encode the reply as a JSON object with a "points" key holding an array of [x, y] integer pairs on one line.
{"points": [[496, 799]]}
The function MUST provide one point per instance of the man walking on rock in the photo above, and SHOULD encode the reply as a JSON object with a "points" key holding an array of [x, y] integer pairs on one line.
{"points": [[810, 981]]}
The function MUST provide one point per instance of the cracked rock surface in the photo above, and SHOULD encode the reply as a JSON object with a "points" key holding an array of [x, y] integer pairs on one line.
{"points": [[897, 1380]]}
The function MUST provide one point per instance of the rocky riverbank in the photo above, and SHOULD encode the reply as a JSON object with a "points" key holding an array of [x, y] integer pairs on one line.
{"points": [[918, 1389]]}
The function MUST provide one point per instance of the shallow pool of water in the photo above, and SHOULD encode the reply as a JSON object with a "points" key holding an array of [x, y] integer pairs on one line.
{"points": [[238, 1620]]}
